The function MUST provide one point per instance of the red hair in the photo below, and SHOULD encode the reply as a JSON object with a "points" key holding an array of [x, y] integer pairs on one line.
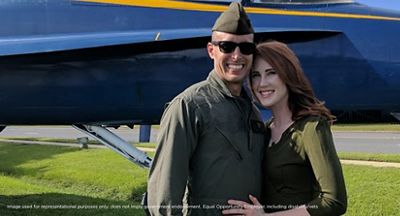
{"points": [[302, 100]]}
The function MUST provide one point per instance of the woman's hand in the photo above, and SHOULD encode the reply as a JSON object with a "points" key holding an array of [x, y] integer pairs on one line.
{"points": [[244, 208]]}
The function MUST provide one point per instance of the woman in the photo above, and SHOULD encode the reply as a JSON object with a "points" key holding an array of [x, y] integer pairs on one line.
{"points": [[303, 175]]}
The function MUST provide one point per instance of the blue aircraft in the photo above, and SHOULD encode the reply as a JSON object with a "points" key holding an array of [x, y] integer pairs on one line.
{"points": [[96, 63]]}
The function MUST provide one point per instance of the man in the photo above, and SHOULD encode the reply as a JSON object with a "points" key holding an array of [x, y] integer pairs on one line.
{"points": [[211, 138]]}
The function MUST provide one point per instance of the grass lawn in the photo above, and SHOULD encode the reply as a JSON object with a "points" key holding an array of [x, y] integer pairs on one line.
{"points": [[369, 156], [97, 181], [46, 139], [53, 180], [372, 191], [366, 127], [59, 140]]}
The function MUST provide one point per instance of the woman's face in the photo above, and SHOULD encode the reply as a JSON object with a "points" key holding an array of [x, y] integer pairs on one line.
{"points": [[267, 86]]}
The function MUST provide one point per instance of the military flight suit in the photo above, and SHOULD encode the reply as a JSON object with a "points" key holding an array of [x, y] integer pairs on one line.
{"points": [[210, 141]]}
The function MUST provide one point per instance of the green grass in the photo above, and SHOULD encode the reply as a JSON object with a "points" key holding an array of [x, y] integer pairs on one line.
{"points": [[52, 175], [372, 191], [370, 156], [146, 145], [366, 127], [41, 177], [45, 139], [59, 140]]}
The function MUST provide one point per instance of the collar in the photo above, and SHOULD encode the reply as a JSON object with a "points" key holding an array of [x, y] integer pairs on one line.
{"points": [[217, 83]]}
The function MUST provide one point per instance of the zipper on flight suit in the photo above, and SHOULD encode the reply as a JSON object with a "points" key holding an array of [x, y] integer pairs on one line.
{"points": [[240, 157], [245, 119]]}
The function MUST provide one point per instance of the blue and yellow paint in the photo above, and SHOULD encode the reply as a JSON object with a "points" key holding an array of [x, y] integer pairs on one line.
{"points": [[208, 7]]}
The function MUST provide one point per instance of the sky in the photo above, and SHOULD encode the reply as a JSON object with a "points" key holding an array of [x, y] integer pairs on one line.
{"points": [[388, 4]]}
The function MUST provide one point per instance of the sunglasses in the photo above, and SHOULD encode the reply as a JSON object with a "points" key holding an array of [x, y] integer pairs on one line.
{"points": [[246, 48]]}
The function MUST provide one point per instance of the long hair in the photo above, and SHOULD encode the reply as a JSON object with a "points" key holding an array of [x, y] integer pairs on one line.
{"points": [[302, 100]]}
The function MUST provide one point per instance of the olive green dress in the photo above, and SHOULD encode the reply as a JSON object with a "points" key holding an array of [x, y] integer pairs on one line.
{"points": [[213, 143], [303, 168]]}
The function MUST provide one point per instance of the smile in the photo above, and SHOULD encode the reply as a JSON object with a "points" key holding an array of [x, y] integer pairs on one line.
{"points": [[266, 93], [235, 66]]}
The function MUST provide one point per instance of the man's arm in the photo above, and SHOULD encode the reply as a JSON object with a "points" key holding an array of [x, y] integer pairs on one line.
{"points": [[170, 169]]}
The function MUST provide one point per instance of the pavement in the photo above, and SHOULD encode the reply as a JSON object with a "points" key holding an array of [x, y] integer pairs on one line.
{"points": [[367, 142], [371, 163]]}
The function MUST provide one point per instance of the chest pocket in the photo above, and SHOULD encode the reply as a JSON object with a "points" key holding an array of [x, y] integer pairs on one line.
{"points": [[230, 127], [228, 139]]}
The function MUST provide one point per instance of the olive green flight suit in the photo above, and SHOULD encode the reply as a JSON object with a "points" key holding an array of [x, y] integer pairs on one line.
{"points": [[211, 142]]}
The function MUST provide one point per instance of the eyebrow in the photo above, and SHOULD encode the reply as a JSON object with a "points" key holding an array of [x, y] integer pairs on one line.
{"points": [[270, 69]]}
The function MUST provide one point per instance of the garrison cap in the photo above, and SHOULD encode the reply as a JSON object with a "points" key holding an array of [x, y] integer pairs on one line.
{"points": [[234, 21]]}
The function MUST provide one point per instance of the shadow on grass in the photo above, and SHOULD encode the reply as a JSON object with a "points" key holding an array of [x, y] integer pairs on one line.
{"points": [[65, 204], [16, 160], [13, 155]]}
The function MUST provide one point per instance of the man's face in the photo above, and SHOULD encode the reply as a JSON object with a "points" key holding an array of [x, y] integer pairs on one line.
{"points": [[231, 67]]}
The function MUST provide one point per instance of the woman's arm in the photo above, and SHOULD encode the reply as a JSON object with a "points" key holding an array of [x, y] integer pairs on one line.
{"points": [[321, 152]]}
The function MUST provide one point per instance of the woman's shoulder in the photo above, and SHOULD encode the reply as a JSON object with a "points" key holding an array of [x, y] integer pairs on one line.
{"points": [[311, 122]]}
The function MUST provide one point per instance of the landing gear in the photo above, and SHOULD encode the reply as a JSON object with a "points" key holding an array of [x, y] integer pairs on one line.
{"points": [[116, 143], [396, 115]]}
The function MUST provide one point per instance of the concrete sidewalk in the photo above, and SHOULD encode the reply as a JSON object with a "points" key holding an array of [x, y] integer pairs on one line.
{"points": [[371, 163]]}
